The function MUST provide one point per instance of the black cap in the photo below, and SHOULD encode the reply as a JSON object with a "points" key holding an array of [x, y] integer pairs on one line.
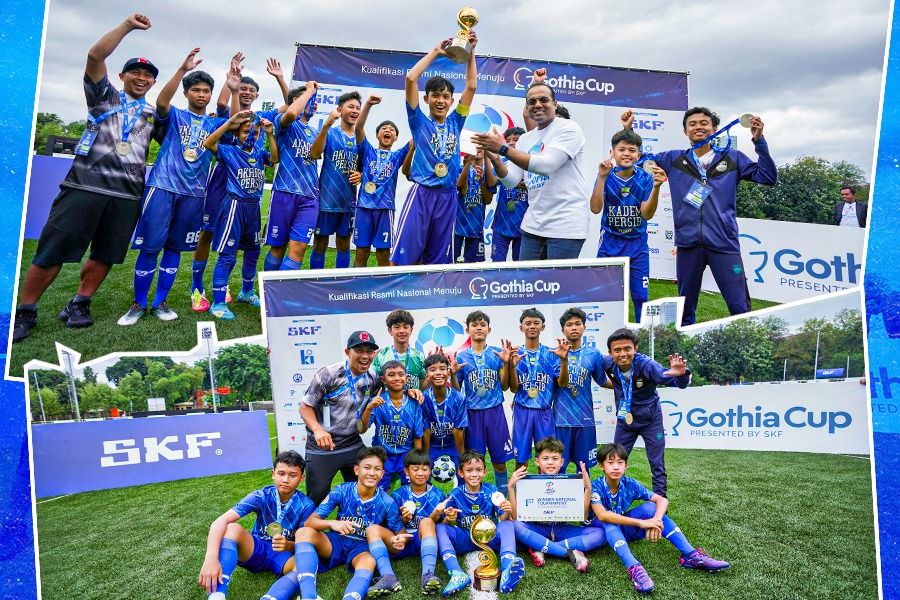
{"points": [[361, 338], [140, 63]]}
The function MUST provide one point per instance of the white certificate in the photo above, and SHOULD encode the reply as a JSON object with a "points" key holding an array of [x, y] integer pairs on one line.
{"points": [[550, 498]]}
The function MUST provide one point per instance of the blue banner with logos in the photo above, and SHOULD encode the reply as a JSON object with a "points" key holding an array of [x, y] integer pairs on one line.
{"points": [[96, 455], [501, 76]]}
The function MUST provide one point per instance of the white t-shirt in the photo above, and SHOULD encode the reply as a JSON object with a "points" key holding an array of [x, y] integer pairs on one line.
{"points": [[848, 215], [558, 203]]}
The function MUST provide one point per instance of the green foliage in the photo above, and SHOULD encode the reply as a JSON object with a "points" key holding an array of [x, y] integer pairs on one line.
{"points": [[48, 124], [53, 409], [244, 368], [127, 364]]}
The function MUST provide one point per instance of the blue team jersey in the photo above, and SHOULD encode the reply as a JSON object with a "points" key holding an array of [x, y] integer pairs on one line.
{"points": [[511, 207], [425, 504], [471, 505], [537, 369], [268, 508], [396, 428], [622, 198], [574, 404], [629, 491], [470, 209], [480, 377], [172, 171], [645, 375], [381, 168], [436, 144], [378, 510], [297, 173], [442, 418], [341, 155], [245, 170]]}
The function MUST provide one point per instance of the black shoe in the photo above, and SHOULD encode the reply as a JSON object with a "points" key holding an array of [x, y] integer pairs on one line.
{"points": [[26, 320], [77, 314]]}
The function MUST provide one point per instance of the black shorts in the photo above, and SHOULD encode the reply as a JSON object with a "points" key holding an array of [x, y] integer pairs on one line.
{"points": [[78, 219]]}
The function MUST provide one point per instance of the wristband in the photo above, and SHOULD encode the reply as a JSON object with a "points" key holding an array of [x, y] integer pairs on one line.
{"points": [[503, 150]]}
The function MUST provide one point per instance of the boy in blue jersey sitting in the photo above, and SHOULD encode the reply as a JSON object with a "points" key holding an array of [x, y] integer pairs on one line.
{"points": [[463, 504], [173, 199], [337, 181], [611, 497], [294, 204], [562, 540], [374, 224], [280, 512], [397, 419], [626, 199], [535, 374], [444, 412], [343, 541], [511, 206], [419, 508], [473, 195], [238, 222], [425, 227]]}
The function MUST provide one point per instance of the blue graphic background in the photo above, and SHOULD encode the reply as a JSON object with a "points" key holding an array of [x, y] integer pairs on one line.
{"points": [[20, 44]]}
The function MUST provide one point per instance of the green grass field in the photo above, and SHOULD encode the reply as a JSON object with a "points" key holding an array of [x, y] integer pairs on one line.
{"points": [[793, 526], [151, 335]]}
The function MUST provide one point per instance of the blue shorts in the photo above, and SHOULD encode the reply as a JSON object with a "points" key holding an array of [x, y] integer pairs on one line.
{"points": [[215, 193], [425, 227], [237, 226], [343, 550], [292, 217], [636, 250], [393, 467], [462, 540], [264, 558], [340, 223], [412, 548], [553, 531], [374, 228], [530, 425], [580, 445], [471, 249], [488, 430], [437, 451], [500, 247], [168, 220]]}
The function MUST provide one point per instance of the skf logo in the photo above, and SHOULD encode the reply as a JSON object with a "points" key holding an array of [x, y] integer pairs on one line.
{"points": [[304, 330], [648, 124], [117, 453], [593, 317], [307, 357]]}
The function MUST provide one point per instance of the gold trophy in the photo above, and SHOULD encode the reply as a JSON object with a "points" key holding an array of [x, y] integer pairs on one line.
{"points": [[487, 573], [459, 49]]}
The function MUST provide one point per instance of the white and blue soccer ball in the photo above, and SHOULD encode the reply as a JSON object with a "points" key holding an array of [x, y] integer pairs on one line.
{"points": [[444, 470], [441, 332]]}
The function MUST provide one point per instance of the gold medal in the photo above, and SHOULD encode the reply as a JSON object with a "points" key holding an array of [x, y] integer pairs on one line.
{"points": [[511, 205], [440, 169], [629, 418], [123, 148], [370, 187], [575, 392], [533, 393], [274, 529], [190, 154]]}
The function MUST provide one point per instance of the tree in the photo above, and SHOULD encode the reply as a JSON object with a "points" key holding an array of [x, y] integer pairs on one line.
{"points": [[244, 368], [127, 364], [97, 396], [134, 391], [52, 406], [89, 375], [48, 124]]}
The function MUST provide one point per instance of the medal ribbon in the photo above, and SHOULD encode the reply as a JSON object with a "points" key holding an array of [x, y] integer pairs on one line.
{"points": [[717, 134], [381, 161], [614, 500], [627, 392], [479, 367], [574, 357], [250, 140], [532, 358], [196, 128], [129, 121], [442, 135]]}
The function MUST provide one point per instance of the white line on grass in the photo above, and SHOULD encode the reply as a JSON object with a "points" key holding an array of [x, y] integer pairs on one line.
{"points": [[52, 499], [855, 456]]}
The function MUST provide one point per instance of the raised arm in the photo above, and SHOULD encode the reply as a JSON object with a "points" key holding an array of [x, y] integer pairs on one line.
{"points": [[269, 128], [165, 95], [363, 116], [273, 68], [648, 206], [106, 45], [600, 185], [232, 82], [296, 108], [468, 94], [318, 146], [412, 77], [211, 142]]}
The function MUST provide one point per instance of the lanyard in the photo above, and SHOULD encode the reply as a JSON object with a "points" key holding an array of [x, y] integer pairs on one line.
{"points": [[442, 135], [532, 365], [405, 356], [250, 140], [574, 357], [196, 128], [479, 366], [627, 390], [128, 121], [614, 499], [381, 159], [437, 407], [717, 134]]}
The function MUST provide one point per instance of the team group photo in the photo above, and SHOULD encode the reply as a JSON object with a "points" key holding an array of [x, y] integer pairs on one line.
{"points": [[432, 320]]}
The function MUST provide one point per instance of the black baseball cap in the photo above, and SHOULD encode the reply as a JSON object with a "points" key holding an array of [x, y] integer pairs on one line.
{"points": [[361, 338], [140, 63]]}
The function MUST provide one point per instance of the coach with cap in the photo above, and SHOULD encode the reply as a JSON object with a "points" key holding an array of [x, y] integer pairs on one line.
{"points": [[329, 409], [99, 201]]}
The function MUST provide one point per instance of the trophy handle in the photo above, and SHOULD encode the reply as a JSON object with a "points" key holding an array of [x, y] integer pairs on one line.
{"points": [[488, 562]]}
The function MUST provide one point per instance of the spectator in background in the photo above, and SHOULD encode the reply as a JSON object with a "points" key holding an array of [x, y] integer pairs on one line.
{"points": [[848, 212]]}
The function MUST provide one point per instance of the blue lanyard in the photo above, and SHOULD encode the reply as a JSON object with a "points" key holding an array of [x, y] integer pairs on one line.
{"points": [[405, 358], [479, 366], [627, 390], [381, 160], [128, 122], [437, 407], [196, 128], [700, 168], [532, 365], [442, 135], [614, 499], [574, 357], [717, 134], [282, 508], [250, 140]]}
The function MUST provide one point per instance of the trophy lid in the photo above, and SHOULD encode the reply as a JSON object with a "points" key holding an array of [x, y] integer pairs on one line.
{"points": [[467, 17], [483, 530]]}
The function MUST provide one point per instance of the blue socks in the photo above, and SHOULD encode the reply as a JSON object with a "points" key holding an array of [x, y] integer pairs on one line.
{"points": [[616, 539], [248, 269], [448, 552], [307, 564], [289, 264], [672, 532], [144, 270], [382, 558], [501, 480], [536, 541], [168, 269], [591, 538], [198, 269], [342, 260], [428, 552], [507, 533], [272, 263], [284, 588], [317, 260], [228, 558], [359, 585], [224, 265]]}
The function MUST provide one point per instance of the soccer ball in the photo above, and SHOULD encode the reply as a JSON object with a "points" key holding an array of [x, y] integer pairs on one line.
{"points": [[444, 470], [441, 332]]}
